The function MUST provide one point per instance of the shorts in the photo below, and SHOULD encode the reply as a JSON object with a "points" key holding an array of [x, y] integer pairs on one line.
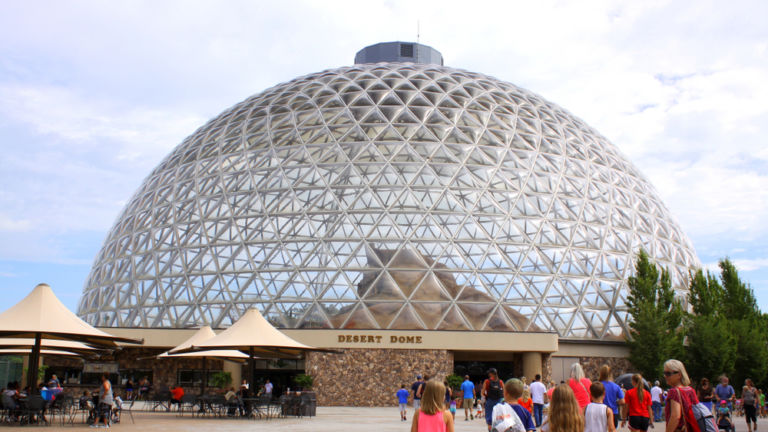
{"points": [[402, 407], [417, 404], [750, 412], [467, 403], [639, 422], [488, 410]]}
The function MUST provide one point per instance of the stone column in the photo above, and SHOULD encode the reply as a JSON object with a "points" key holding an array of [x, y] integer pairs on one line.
{"points": [[531, 364], [235, 370]]}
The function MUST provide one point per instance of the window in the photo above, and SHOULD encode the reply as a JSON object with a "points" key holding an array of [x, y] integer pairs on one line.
{"points": [[193, 378], [406, 50]]}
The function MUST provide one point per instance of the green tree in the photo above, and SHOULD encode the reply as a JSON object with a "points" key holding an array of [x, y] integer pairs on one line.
{"points": [[656, 317], [711, 346]]}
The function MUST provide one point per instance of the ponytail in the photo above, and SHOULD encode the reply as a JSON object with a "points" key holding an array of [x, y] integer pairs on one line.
{"points": [[637, 380]]}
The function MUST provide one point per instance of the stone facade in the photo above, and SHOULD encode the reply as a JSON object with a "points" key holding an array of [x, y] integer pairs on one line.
{"points": [[619, 365], [546, 367], [370, 377]]}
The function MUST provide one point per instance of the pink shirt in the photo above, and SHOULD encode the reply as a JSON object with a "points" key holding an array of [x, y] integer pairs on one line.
{"points": [[431, 423]]}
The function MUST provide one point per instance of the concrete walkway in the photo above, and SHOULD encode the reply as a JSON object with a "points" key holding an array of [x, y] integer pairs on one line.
{"points": [[328, 419]]}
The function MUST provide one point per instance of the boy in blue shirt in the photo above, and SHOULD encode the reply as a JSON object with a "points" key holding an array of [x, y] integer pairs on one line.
{"points": [[402, 399]]}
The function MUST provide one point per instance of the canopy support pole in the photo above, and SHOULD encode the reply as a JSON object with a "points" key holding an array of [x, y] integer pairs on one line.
{"points": [[205, 376], [250, 367], [34, 360]]}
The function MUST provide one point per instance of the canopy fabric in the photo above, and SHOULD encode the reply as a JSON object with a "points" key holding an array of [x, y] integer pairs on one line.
{"points": [[205, 333], [255, 334], [22, 351], [24, 345], [41, 313]]}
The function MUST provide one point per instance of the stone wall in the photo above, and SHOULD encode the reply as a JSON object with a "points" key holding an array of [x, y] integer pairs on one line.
{"points": [[619, 365], [370, 377], [546, 367]]}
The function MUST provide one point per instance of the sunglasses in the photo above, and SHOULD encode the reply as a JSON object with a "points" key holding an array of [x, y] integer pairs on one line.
{"points": [[668, 373]]}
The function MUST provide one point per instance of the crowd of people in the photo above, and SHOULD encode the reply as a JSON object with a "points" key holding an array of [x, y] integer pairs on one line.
{"points": [[580, 404]]}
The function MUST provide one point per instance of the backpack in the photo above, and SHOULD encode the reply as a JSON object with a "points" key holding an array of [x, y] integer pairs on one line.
{"points": [[495, 391], [698, 418]]}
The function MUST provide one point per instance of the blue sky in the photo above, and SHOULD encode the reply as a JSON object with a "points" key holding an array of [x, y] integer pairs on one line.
{"points": [[94, 94]]}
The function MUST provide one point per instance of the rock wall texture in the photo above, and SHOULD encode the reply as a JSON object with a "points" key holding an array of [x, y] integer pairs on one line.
{"points": [[363, 377], [619, 365]]}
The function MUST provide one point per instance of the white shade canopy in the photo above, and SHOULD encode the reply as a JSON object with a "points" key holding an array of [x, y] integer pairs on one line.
{"points": [[25, 345], [42, 313], [255, 334], [22, 351], [203, 334]]}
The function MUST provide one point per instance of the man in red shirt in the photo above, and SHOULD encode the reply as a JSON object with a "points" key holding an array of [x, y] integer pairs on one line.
{"points": [[176, 394]]}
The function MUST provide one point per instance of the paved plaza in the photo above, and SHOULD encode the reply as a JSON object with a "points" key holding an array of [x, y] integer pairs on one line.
{"points": [[328, 419]]}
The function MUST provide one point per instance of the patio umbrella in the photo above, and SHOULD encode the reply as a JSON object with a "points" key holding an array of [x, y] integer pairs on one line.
{"points": [[203, 334], [255, 335], [41, 315], [25, 345]]}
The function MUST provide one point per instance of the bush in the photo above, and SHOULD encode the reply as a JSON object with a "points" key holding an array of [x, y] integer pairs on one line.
{"points": [[304, 381]]}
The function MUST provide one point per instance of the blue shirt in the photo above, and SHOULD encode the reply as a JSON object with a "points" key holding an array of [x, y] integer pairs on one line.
{"points": [[525, 417], [612, 394], [402, 396], [468, 387], [724, 393]]}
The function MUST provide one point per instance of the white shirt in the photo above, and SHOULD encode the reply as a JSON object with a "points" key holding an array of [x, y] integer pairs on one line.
{"points": [[596, 418], [268, 387], [537, 392], [656, 394]]}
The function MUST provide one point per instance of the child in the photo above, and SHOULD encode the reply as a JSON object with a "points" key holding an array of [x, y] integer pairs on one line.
{"points": [[453, 408], [598, 417], [525, 401], [430, 417], [724, 417], [564, 412], [402, 399], [513, 389]]}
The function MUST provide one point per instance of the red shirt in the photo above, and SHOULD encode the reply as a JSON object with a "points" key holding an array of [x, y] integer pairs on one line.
{"points": [[581, 391], [177, 393], [637, 408], [527, 405]]}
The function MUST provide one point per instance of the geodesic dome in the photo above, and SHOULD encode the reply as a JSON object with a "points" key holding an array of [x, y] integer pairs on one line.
{"points": [[387, 196]]}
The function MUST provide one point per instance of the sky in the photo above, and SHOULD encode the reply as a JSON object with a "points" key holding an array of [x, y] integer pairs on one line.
{"points": [[93, 94]]}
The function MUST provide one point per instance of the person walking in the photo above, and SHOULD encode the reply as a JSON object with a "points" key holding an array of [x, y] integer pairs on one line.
{"points": [[706, 393], [538, 390], [580, 385], [614, 396], [640, 410], [416, 389], [679, 396], [656, 395], [749, 402], [565, 415], [598, 417], [493, 391], [468, 389], [431, 417], [105, 402], [402, 400], [724, 391]]}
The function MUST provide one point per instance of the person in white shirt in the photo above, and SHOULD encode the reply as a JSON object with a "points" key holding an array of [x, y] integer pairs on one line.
{"points": [[538, 393], [656, 401], [268, 388]]}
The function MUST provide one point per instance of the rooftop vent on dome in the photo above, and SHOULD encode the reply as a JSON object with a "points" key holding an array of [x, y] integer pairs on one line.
{"points": [[399, 52]]}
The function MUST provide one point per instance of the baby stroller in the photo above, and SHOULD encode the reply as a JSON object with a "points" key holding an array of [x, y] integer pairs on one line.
{"points": [[724, 418]]}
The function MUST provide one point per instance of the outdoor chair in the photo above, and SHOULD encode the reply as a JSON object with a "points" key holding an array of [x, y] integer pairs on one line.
{"points": [[33, 412], [161, 400], [127, 407], [61, 406], [11, 410], [188, 402], [218, 406]]}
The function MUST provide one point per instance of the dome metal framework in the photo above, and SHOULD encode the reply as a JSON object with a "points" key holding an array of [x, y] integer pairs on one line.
{"points": [[387, 196]]}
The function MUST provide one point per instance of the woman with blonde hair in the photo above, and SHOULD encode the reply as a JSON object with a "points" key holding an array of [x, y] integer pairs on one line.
{"points": [[639, 405], [679, 395], [431, 416], [565, 415]]}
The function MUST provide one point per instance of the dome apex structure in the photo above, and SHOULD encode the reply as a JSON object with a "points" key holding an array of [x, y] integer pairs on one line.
{"points": [[387, 196]]}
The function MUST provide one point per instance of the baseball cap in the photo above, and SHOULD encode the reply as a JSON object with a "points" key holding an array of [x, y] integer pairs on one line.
{"points": [[418, 376]]}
